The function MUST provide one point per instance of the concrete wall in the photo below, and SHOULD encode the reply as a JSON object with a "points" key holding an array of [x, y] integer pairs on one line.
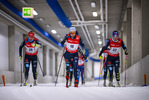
{"points": [[4, 47], [135, 74]]}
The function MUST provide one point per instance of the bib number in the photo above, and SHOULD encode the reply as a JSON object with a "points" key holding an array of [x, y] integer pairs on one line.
{"points": [[114, 50]]}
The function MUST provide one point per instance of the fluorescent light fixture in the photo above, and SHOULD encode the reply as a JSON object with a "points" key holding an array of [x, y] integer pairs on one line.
{"points": [[61, 39], [96, 27], [24, 2], [97, 32], [41, 19], [95, 14], [58, 36], [48, 25], [98, 36], [53, 31], [35, 12], [93, 5], [99, 42], [46, 34]]}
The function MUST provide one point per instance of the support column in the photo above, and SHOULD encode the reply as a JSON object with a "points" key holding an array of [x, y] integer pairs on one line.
{"points": [[11, 46], [45, 60], [145, 28], [128, 29], [93, 69], [85, 71], [51, 62], [56, 63], [136, 36]]}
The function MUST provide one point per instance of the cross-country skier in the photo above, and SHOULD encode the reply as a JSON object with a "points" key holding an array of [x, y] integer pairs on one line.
{"points": [[115, 44], [32, 44], [105, 54], [72, 44]]}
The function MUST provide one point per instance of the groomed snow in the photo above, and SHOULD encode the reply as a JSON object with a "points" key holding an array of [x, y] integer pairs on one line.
{"points": [[90, 91]]}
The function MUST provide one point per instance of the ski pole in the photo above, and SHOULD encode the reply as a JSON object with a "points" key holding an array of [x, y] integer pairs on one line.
{"points": [[125, 69], [21, 73], [59, 67], [40, 67], [100, 72], [89, 72]]}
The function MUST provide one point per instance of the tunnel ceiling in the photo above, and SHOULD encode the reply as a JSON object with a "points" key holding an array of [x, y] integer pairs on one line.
{"points": [[49, 17]]}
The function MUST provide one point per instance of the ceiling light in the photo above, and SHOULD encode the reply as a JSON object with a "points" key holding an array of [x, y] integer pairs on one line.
{"points": [[41, 19], [98, 36], [34, 12], [96, 27], [61, 39], [99, 42], [53, 31], [97, 32], [58, 36], [48, 25], [94, 14], [46, 34], [93, 5], [24, 2]]}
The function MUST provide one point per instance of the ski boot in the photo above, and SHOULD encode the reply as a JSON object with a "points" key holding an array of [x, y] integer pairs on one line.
{"points": [[76, 83], [118, 84], [25, 84], [104, 84], [83, 83], [35, 83], [70, 83], [67, 84], [111, 84]]}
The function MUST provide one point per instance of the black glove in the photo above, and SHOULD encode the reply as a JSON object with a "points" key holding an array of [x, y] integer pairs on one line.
{"points": [[126, 52], [84, 57]]}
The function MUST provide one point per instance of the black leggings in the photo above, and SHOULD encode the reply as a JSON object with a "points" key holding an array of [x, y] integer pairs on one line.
{"points": [[113, 62], [68, 56], [27, 60]]}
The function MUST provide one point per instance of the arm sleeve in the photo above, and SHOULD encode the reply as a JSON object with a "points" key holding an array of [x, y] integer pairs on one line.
{"points": [[123, 45], [80, 51], [38, 42], [81, 43], [20, 48], [65, 38], [107, 44]]}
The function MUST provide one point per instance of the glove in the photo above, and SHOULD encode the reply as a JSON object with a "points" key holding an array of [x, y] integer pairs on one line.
{"points": [[100, 57], [126, 52], [35, 45], [20, 58], [84, 56]]}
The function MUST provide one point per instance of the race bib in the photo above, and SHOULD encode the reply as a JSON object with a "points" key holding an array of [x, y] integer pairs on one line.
{"points": [[31, 50], [114, 50], [72, 46], [80, 62]]}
